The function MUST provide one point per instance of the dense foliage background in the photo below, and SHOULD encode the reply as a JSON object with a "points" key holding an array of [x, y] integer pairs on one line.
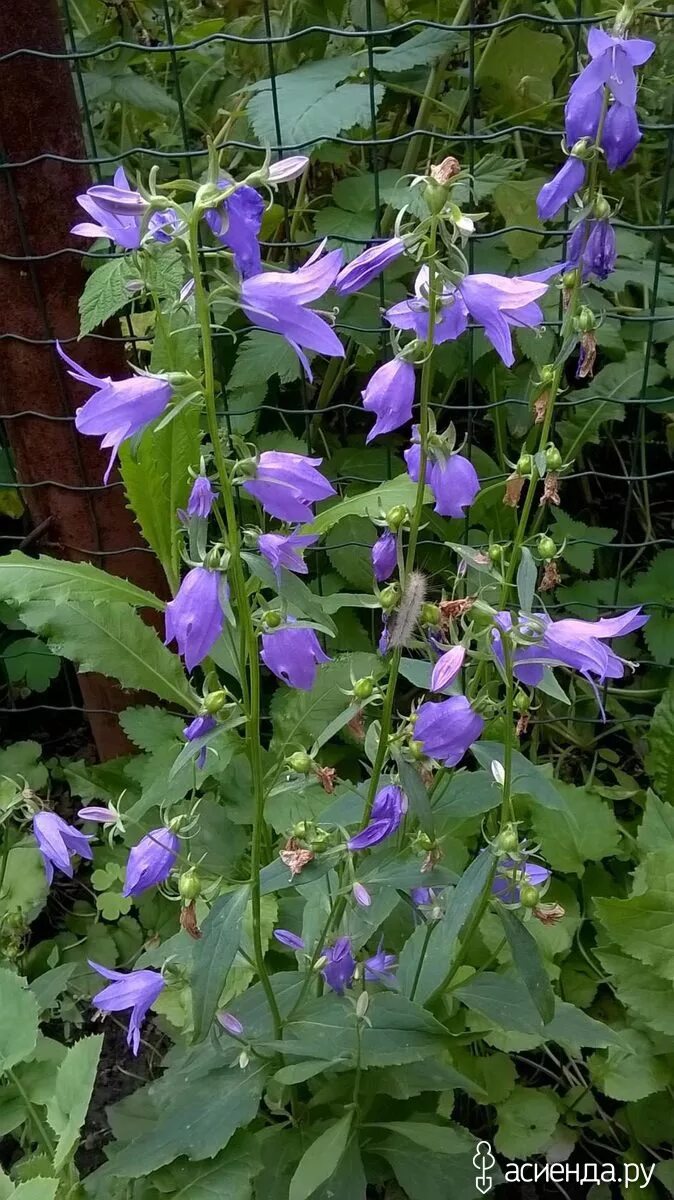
{"points": [[596, 796]]}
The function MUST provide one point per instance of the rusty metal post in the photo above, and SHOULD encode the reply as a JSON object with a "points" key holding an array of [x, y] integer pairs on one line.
{"points": [[40, 281]]}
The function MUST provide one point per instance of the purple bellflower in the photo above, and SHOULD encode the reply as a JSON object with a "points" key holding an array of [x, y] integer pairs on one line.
{"points": [[361, 895], [137, 990], [379, 967], [452, 479], [510, 876], [287, 169], [286, 485], [621, 135], [98, 813], [198, 728], [195, 617], [422, 896], [384, 556], [276, 300], [447, 668], [613, 60], [339, 970], [388, 810], [559, 190], [58, 842], [121, 227], [390, 395], [165, 226], [293, 655], [289, 939], [582, 115], [285, 551], [231, 1023], [201, 498], [592, 246], [151, 861], [120, 408], [236, 224], [368, 265], [447, 729]]}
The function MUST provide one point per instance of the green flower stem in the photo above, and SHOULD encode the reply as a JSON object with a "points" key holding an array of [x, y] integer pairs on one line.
{"points": [[249, 663]]}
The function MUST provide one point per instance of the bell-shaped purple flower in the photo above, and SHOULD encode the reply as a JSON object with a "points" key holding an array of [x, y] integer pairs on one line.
{"points": [[368, 265], [447, 668], [379, 967], [276, 301], [447, 729], [165, 226], [620, 136], [289, 939], [613, 60], [137, 990], [592, 246], [527, 660], [390, 395], [201, 498], [582, 115], [151, 861], [511, 875], [121, 227], [452, 479], [285, 550], [560, 189], [200, 727], [422, 896], [195, 617], [57, 842], [236, 224], [119, 408], [341, 965], [286, 485], [293, 654], [384, 556], [451, 314], [388, 810]]}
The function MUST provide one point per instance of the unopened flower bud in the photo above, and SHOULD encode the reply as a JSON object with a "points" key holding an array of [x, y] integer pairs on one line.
{"points": [[189, 885], [272, 619], [602, 208], [529, 896], [389, 597], [244, 1059], [524, 464], [498, 772], [361, 895], [320, 963], [231, 1023], [495, 553], [435, 195], [430, 614], [553, 459], [570, 279], [213, 559], [396, 517], [508, 840], [363, 688], [214, 701], [586, 321], [301, 762], [521, 701], [546, 547], [362, 1004]]}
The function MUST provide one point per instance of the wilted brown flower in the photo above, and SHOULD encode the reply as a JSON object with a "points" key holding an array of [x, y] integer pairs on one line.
{"points": [[188, 920], [431, 860], [550, 489], [452, 610], [522, 725], [513, 489], [541, 406], [548, 914], [357, 726], [326, 778], [447, 169], [586, 356], [295, 856], [551, 578]]}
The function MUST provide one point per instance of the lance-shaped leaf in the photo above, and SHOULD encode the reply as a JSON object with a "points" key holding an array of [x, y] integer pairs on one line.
{"points": [[213, 956], [527, 959]]}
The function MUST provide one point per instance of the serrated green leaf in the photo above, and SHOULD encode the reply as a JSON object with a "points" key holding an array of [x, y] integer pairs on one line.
{"points": [[140, 91], [105, 293], [27, 660], [350, 230], [299, 717], [647, 995], [527, 778], [312, 102], [518, 68], [631, 1071], [19, 1025], [151, 728], [229, 1175], [657, 827], [515, 199], [440, 1139], [44, 578], [398, 1031], [583, 540], [68, 1106], [420, 50], [400, 490], [321, 1159], [348, 545], [643, 925], [22, 763], [526, 1122], [213, 956], [24, 887], [585, 831], [37, 1189]]}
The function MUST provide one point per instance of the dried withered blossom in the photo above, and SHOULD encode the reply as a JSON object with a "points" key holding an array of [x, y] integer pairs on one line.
{"points": [[188, 920], [548, 914], [513, 489], [326, 778], [587, 356], [356, 726], [453, 610], [295, 856], [541, 406], [550, 489], [522, 725], [431, 860], [447, 169], [551, 578]]}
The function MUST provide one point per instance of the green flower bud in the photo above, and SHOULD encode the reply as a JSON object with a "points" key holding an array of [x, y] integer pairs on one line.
{"points": [[189, 885], [389, 597], [301, 762], [430, 614], [416, 750], [272, 619], [521, 701], [214, 701], [495, 552], [547, 374], [602, 208], [213, 559], [546, 547], [585, 321], [363, 688], [396, 517], [570, 279], [524, 464], [508, 840], [529, 896], [435, 195], [553, 459]]}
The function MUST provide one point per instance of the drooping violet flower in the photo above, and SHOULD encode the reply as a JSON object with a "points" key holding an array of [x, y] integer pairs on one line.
{"points": [[165, 226], [613, 60], [368, 265], [527, 665], [422, 896], [384, 556], [621, 135], [98, 813], [151, 861], [287, 169], [137, 990], [582, 115], [447, 668], [452, 479], [276, 300], [390, 395], [592, 246], [57, 842], [120, 408], [361, 895], [198, 728], [446, 729], [341, 965], [231, 1023], [201, 498], [510, 876], [379, 967], [384, 637], [285, 550], [286, 485], [195, 616], [559, 190], [388, 810], [286, 938], [451, 314], [121, 227], [236, 224], [293, 655]]}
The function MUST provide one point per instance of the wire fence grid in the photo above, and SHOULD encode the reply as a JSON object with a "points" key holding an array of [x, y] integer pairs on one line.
{"points": [[639, 448]]}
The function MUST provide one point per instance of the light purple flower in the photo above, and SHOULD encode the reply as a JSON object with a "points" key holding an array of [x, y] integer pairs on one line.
{"points": [[560, 189], [285, 550], [120, 408], [137, 990], [236, 224], [231, 1023], [121, 227], [293, 655], [58, 842], [339, 969], [195, 616], [151, 861], [510, 876], [613, 60], [582, 115], [390, 395], [286, 485], [447, 668], [451, 314], [388, 810], [422, 896], [286, 938], [361, 895], [164, 226], [276, 300], [100, 814], [201, 498], [621, 135], [384, 556], [287, 169], [198, 728], [451, 477], [527, 665], [592, 245], [379, 967], [447, 729], [368, 265]]}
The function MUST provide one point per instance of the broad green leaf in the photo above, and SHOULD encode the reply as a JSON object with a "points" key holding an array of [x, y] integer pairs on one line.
{"points": [[422, 49], [585, 831], [321, 1159], [28, 661], [518, 68], [417, 794], [463, 795], [112, 639], [643, 925], [631, 1071], [228, 1176], [657, 827], [529, 964], [526, 1122], [660, 735], [515, 199], [48, 987], [67, 1109], [213, 956], [350, 230], [400, 490], [300, 717], [28, 579], [22, 762], [526, 580], [310, 102], [40, 1188], [301, 1071], [348, 545], [423, 1174], [24, 888], [426, 958], [399, 1031], [583, 540], [140, 91], [505, 1000], [19, 1025], [527, 780], [106, 291], [440, 1139], [151, 728]]}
